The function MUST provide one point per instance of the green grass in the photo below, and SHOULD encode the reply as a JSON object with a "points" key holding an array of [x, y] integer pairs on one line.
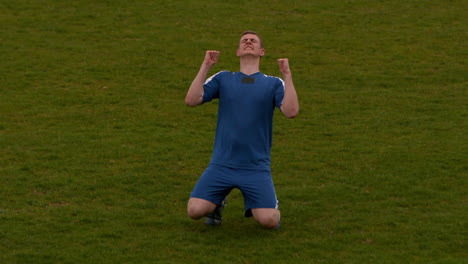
{"points": [[98, 153]]}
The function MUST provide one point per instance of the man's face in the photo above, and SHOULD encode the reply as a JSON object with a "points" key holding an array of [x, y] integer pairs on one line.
{"points": [[249, 44]]}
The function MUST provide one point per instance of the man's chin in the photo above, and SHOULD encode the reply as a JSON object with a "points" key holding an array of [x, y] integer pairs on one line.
{"points": [[249, 55], [248, 52]]}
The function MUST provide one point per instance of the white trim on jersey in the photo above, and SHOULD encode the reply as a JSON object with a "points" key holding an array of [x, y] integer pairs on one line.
{"points": [[282, 82], [212, 76], [209, 80]]}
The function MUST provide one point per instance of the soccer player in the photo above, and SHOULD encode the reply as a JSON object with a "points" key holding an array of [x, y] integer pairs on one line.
{"points": [[241, 155]]}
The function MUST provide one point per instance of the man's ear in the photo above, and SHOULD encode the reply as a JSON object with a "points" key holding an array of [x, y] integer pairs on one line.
{"points": [[262, 52]]}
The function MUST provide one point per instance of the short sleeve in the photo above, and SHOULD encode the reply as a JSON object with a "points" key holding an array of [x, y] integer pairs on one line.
{"points": [[279, 92], [211, 88]]}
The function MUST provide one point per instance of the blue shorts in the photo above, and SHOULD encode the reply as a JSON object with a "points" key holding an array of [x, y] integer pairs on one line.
{"points": [[256, 187]]}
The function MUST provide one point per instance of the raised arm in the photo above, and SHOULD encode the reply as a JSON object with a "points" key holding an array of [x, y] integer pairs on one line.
{"points": [[194, 95], [290, 106]]}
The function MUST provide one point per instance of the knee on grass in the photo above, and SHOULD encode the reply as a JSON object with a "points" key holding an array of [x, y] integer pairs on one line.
{"points": [[198, 208], [268, 219]]}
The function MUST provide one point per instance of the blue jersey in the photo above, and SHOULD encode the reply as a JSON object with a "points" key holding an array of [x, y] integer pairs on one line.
{"points": [[245, 117]]}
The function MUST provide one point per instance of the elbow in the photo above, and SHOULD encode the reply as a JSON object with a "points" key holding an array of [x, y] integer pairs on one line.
{"points": [[292, 113], [191, 102], [188, 102], [290, 108]]}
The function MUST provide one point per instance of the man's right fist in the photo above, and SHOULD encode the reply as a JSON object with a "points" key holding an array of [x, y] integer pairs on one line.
{"points": [[211, 57]]}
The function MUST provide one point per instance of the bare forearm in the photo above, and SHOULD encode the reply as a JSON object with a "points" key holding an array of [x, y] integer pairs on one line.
{"points": [[194, 95], [290, 106]]}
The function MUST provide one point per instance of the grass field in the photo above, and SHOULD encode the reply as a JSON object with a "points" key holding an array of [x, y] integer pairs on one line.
{"points": [[98, 153]]}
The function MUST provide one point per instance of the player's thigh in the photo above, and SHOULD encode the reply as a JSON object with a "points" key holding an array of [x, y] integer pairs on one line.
{"points": [[259, 192], [213, 185]]}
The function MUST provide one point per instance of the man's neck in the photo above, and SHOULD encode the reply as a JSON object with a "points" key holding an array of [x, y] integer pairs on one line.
{"points": [[249, 65]]}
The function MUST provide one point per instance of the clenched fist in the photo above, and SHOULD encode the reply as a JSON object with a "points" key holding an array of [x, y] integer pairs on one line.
{"points": [[284, 66], [211, 57]]}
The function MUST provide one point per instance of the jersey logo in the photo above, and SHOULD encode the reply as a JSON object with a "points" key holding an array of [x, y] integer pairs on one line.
{"points": [[249, 80]]}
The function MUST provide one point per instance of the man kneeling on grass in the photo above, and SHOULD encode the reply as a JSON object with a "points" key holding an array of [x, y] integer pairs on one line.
{"points": [[241, 155]]}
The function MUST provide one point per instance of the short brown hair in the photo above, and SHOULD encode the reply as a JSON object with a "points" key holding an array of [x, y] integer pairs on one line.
{"points": [[253, 33]]}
